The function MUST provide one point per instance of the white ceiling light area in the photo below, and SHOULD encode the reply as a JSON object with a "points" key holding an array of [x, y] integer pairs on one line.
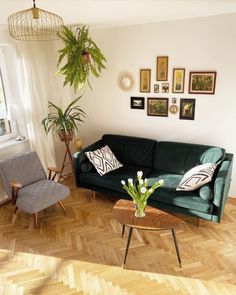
{"points": [[107, 13]]}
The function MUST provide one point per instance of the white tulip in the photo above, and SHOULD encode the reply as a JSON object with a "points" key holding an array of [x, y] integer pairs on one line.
{"points": [[130, 180], [123, 182], [143, 190], [150, 190], [145, 180], [141, 181], [140, 173]]}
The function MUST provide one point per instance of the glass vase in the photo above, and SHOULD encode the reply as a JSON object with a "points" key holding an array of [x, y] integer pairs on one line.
{"points": [[140, 209]]}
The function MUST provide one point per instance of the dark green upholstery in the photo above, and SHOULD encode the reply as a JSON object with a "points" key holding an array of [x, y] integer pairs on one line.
{"points": [[131, 150], [178, 157], [161, 160]]}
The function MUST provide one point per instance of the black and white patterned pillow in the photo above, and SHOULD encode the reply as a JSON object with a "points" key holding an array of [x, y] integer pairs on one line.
{"points": [[196, 177], [103, 160]]}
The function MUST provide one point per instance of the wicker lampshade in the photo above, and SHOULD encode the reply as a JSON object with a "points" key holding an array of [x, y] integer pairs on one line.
{"points": [[34, 24]]}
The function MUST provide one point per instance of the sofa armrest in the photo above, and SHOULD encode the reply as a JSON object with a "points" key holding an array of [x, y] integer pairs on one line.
{"points": [[222, 183], [80, 157]]}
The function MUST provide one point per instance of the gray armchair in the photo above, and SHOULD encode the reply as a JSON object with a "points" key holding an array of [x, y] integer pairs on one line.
{"points": [[26, 183]]}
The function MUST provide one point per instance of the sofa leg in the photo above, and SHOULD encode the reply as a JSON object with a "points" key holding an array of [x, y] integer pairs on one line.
{"points": [[94, 194], [198, 222]]}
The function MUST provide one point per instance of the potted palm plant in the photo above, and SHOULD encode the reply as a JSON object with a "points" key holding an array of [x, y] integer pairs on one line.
{"points": [[82, 57], [64, 123]]}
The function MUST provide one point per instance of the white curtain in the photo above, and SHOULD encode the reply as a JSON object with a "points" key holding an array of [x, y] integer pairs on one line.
{"points": [[37, 67]]}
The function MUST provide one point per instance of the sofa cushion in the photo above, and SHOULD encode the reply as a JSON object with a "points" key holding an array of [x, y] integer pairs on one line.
{"points": [[206, 192], [176, 157], [103, 160], [132, 151], [168, 194], [197, 177], [112, 180]]}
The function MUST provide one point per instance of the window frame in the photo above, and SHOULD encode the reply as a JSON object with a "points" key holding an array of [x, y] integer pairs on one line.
{"points": [[7, 93]]}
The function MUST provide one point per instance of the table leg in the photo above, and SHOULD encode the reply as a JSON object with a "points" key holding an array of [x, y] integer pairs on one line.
{"points": [[127, 245], [176, 246], [123, 230]]}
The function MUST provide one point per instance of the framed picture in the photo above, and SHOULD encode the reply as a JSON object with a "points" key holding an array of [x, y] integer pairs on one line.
{"points": [[178, 80], [162, 68], [156, 88], [202, 82], [145, 80], [165, 87], [187, 109], [157, 107], [137, 103]]}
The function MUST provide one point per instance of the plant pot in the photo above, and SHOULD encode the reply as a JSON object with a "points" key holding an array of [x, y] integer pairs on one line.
{"points": [[86, 57], [65, 136], [78, 144]]}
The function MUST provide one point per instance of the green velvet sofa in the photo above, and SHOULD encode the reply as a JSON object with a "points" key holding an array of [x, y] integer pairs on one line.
{"points": [[161, 160]]}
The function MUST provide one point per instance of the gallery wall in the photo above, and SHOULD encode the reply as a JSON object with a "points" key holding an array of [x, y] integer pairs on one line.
{"points": [[200, 44]]}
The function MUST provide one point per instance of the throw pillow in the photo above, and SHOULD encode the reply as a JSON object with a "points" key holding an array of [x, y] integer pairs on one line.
{"points": [[206, 192], [103, 160], [196, 177]]}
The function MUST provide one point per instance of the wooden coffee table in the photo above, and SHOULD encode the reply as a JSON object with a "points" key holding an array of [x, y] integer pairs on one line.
{"points": [[154, 220]]}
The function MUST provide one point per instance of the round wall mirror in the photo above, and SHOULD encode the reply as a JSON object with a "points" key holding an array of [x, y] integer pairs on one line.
{"points": [[126, 82]]}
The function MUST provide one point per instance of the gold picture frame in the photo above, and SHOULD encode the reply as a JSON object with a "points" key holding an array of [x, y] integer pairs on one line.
{"points": [[145, 80], [157, 106], [162, 68], [178, 80]]}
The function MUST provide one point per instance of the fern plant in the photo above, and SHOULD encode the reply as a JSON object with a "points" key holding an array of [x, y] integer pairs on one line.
{"points": [[63, 122], [82, 57]]}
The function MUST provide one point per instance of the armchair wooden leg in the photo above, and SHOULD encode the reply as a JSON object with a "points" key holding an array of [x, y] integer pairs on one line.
{"points": [[14, 214], [36, 220], [62, 206]]}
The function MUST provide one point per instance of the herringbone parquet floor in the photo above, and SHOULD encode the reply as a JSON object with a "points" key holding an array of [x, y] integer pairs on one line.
{"points": [[89, 251]]}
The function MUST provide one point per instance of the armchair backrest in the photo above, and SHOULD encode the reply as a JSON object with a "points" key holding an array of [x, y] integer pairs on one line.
{"points": [[25, 168]]}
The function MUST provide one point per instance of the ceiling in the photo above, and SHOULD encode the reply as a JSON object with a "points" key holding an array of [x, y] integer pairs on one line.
{"points": [[106, 13]]}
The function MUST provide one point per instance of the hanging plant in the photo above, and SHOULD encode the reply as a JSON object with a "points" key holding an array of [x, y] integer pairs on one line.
{"points": [[82, 57]]}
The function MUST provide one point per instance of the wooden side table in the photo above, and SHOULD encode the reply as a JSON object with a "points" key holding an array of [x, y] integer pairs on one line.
{"points": [[154, 220]]}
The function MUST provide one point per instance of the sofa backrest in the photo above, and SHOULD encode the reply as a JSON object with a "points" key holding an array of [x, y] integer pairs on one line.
{"points": [[131, 150], [179, 157]]}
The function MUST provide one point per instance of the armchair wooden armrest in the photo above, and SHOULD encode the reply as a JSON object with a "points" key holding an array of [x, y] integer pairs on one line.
{"points": [[16, 184], [15, 188], [54, 170]]}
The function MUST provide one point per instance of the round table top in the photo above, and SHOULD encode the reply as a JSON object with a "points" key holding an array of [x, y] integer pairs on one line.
{"points": [[155, 219]]}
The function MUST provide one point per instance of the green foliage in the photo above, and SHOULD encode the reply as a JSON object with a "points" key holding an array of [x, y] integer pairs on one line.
{"points": [[66, 120], [76, 68]]}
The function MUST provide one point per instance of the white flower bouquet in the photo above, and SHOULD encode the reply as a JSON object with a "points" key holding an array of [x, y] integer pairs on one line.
{"points": [[140, 192]]}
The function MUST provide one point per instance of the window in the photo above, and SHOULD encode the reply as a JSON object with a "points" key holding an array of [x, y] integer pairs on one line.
{"points": [[5, 127]]}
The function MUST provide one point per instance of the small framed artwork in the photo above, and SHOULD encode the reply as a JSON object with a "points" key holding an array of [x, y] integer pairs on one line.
{"points": [[173, 109], [165, 87], [187, 109], [162, 68], [145, 80], [202, 82], [157, 107], [178, 80], [156, 88], [137, 103]]}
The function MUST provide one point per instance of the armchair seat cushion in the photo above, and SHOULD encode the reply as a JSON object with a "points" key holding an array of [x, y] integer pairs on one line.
{"points": [[40, 195]]}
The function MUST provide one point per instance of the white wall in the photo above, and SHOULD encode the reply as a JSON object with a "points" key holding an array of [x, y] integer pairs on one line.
{"points": [[197, 44]]}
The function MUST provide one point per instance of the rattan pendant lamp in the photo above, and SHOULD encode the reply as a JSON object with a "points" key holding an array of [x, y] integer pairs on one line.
{"points": [[34, 24]]}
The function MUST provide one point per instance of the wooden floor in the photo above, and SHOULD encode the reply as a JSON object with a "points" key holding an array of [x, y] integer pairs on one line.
{"points": [[83, 253]]}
